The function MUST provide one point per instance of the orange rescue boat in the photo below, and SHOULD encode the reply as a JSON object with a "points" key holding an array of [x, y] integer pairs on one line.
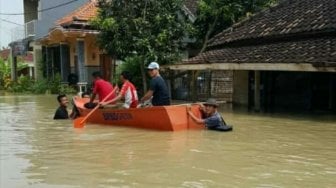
{"points": [[165, 118]]}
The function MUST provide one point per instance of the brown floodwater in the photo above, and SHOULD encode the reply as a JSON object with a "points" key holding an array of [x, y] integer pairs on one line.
{"points": [[264, 150]]}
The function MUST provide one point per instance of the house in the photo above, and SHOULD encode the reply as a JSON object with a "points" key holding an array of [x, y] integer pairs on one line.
{"points": [[283, 57], [39, 16], [70, 47], [4, 54], [26, 59]]}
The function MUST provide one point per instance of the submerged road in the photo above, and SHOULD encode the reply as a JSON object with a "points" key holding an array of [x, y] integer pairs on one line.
{"points": [[264, 150]]}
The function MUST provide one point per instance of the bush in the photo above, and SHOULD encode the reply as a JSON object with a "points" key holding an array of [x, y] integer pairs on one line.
{"points": [[40, 86], [24, 84], [66, 89], [132, 65]]}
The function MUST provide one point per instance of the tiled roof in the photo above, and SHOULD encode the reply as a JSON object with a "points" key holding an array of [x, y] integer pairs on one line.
{"points": [[288, 18], [315, 51], [83, 13]]}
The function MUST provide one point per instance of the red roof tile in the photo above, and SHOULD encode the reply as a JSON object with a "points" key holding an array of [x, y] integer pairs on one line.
{"points": [[83, 13], [316, 51], [4, 54]]}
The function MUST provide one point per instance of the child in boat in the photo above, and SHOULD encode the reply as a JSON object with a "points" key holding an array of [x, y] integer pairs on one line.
{"points": [[127, 92], [62, 112], [211, 118]]}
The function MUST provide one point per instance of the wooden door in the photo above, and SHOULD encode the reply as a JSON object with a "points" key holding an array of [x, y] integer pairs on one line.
{"points": [[106, 67]]}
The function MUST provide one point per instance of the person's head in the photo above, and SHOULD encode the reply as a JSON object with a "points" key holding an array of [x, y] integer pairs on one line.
{"points": [[63, 100], [153, 69], [96, 75], [85, 95], [211, 106], [124, 76]]}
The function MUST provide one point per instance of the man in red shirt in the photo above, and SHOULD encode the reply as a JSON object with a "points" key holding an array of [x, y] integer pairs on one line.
{"points": [[101, 88], [128, 92]]}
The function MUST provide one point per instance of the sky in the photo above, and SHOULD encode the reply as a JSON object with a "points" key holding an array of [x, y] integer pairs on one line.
{"points": [[9, 30]]}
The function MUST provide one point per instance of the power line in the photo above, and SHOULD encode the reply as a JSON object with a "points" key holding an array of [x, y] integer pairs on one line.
{"points": [[11, 22], [33, 12]]}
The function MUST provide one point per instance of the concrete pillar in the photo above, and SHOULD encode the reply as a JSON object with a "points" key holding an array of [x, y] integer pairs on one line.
{"points": [[38, 62], [64, 62], [52, 62], [47, 51], [31, 72], [257, 91], [209, 80], [80, 48]]}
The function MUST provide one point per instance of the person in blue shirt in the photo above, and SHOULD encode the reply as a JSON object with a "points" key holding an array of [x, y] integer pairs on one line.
{"points": [[157, 89], [210, 117]]}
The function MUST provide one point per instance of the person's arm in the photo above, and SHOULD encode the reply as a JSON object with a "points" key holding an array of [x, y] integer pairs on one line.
{"points": [[196, 119], [72, 115], [112, 101], [147, 96], [92, 97]]}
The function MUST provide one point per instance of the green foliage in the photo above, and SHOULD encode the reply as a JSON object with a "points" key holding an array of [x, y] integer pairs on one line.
{"points": [[62, 88], [214, 16], [4, 73], [132, 65], [40, 86], [150, 29], [24, 84]]}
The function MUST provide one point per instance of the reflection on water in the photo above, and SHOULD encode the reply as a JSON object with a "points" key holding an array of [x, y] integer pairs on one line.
{"points": [[263, 151]]}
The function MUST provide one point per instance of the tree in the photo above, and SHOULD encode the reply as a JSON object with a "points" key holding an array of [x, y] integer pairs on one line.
{"points": [[148, 29], [213, 16]]}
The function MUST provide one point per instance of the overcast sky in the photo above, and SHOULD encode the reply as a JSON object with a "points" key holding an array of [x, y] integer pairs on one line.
{"points": [[7, 30]]}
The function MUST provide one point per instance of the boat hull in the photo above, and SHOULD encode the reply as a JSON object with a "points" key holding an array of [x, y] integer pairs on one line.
{"points": [[166, 118]]}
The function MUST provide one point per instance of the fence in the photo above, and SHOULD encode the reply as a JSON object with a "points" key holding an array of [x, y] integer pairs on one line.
{"points": [[200, 85]]}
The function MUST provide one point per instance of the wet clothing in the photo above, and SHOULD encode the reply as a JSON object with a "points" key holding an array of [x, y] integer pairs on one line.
{"points": [[216, 122], [129, 92], [61, 113], [103, 88], [160, 91]]}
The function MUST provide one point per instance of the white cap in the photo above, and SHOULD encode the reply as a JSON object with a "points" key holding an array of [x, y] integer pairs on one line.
{"points": [[153, 65]]}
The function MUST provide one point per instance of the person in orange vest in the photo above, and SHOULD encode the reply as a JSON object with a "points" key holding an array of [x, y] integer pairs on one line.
{"points": [[127, 92]]}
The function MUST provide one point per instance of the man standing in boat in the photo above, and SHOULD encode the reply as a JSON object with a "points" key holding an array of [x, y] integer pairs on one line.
{"points": [[128, 92], [158, 88], [210, 117], [101, 88]]}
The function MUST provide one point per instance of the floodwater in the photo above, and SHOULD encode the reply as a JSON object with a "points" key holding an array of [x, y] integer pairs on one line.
{"points": [[264, 150]]}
